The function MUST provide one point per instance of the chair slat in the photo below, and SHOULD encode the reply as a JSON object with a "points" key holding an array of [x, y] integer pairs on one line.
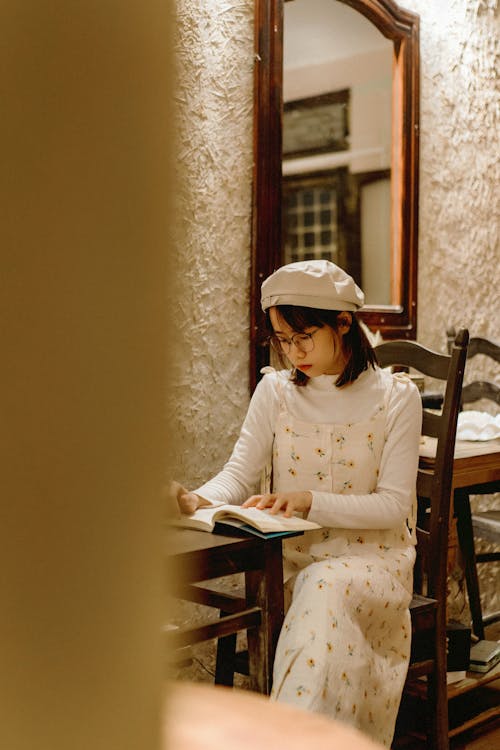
{"points": [[480, 389], [480, 345], [431, 424], [433, 364]]}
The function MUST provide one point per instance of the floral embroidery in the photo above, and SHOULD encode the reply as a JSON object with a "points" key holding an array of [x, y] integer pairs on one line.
{"points": [[320, 452], [345, 462], [320, 475], [294, 456], [292, 471], [370, 438]]}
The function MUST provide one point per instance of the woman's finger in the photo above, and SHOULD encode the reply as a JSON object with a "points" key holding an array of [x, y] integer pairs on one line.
{"points": [[266, 501], [279, 501], [253, 500], [259, 501], [188, 503]]}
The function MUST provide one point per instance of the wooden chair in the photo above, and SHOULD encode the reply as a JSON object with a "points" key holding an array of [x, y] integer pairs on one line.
{"points": [[428, 607], [485, 525]]}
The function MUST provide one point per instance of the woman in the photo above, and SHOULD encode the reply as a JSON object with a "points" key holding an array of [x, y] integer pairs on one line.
{"points": [[340, 438]]}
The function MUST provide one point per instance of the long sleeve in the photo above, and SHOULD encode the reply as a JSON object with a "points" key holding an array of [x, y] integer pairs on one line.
{"points": [[320, 401], [390, 504]]}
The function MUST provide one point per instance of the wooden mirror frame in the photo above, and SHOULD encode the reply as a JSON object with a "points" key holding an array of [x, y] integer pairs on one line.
{"points": [[402, 28]]}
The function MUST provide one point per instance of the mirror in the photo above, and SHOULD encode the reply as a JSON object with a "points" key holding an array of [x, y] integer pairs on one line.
{"points": [[336, 151]]}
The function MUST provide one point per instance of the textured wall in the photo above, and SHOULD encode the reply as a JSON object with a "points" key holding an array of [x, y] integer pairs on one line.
{"points": [[208, 390], [459, 279]]}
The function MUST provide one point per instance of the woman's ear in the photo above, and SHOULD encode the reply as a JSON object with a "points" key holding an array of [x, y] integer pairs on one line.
{"points": [[344, 322]]}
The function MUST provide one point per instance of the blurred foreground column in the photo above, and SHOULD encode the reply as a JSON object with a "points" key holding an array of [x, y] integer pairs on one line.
{"points": [[83, 222]]}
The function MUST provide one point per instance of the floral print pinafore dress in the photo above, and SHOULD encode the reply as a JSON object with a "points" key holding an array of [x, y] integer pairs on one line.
{"points": [[345, 642]]}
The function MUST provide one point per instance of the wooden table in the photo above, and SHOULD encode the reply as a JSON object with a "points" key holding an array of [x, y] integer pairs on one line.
{"points": [[198, 556], [475, 462], [476, 466]]}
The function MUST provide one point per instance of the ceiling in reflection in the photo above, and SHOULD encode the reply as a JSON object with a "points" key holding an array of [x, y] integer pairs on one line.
{"points": [[310, 36]]}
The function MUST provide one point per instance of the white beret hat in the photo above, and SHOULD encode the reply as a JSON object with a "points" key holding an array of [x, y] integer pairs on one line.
{"points": [[312, 283]]}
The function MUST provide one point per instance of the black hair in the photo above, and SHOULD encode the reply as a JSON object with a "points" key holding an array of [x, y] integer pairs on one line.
{"points": [[359, 351]]}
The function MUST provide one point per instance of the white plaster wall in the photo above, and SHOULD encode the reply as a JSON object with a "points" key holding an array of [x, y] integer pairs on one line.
{"points": [[459, 279], [208, 388]]}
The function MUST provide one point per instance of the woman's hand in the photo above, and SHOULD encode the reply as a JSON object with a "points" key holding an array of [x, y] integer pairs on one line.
{"points": [[289, 502], [187, 501]]}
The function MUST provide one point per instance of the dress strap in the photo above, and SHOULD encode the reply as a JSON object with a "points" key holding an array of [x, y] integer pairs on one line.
{"points": [[279, 386]]}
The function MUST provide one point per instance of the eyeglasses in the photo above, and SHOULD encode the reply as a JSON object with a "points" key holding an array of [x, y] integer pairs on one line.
{"points": [[302, 341]]}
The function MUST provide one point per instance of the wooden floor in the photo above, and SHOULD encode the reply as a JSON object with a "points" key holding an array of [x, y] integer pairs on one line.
{"points": [[486, 737]]}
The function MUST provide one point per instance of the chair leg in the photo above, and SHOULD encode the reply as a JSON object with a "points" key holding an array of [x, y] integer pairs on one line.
{"points": [[437, 703], [437, 694], [466, 540], [225, 660]]}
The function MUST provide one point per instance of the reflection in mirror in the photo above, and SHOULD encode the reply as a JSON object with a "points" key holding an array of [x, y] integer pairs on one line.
{"points": [[337, 135], [336, 151]]}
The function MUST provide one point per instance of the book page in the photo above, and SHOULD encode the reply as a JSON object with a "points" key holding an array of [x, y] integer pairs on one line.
{"points": [[205, 518], [264, 521]]}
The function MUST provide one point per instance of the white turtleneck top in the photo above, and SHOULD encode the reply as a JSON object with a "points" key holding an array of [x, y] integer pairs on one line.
{"points": [[320, 401]]}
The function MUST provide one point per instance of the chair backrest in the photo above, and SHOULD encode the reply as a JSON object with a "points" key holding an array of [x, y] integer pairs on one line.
{"points": [[434, 480], [478, 389]]}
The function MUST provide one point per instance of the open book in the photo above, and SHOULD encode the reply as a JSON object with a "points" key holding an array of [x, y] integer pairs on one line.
{"points": [[253, 520]]}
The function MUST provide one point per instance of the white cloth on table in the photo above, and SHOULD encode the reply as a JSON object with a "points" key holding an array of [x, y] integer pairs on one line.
{"points": [[477, 425]]}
